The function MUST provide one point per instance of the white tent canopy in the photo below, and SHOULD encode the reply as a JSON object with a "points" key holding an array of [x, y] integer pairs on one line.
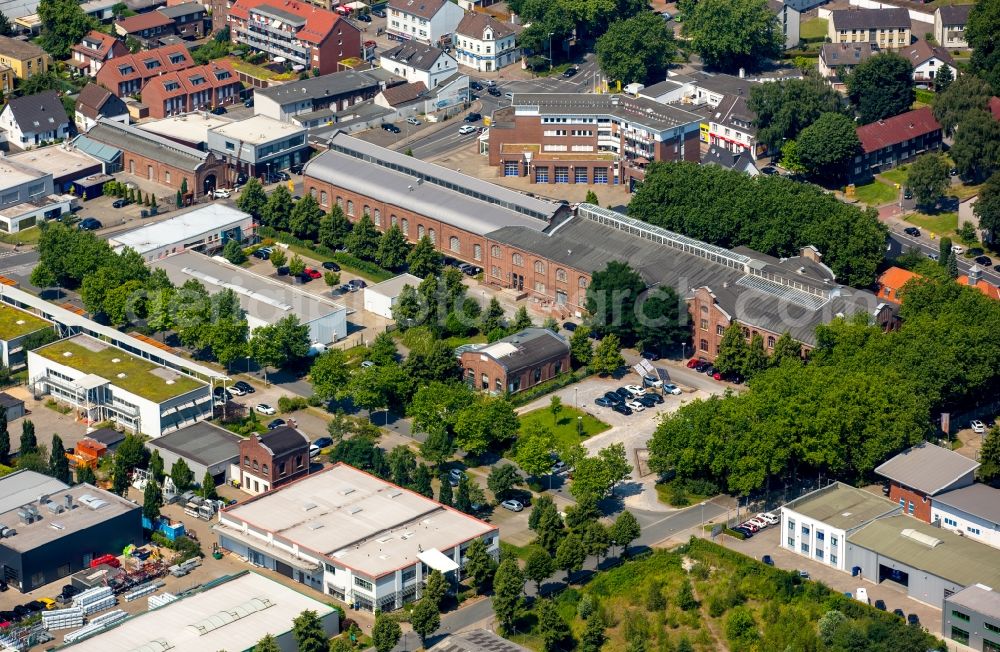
{"points": [[356, 6], [437, 560]]}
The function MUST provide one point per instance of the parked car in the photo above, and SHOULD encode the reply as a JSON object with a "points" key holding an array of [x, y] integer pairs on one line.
{"points": [[569, 326], [613, 398], [709, 370], [702, 366], [899, 612], [467, 129], [245, 386], [473, 117], [364, 18], [237, 391], [650, 355], [767, 560], [621, 408], [296, 168], [314, 450], [455, 476], [378, 12], [512, 505], [357, 284], [913, 619], [241, 179], [248, 103], [219, 110], [476, 86], [746, 532], [649, 400], [332, 266], [509, 96], [636, 390], [264, 253], [761, 525], [413, 121], [912, 231], [769, 518], [601, 401], [494, 91], [391, 128], [804, 574], [656, 398], [276, 423], [957, 249], [880, 605], [366, 364], [312, 273], [769, 170], [120, 203], [89, 224], [624, 394], [985, 261], [651, 381], [978, 426], [569, 72], [672, 389], [264, 408], [220, 193], [635, 405], [750, 526]]}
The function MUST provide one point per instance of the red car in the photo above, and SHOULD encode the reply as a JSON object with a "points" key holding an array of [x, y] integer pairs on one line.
{"points": [[694, 362], [312, 273]]}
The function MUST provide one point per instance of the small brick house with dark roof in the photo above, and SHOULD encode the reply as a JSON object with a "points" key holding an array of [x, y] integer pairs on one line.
{"points": [[96, 48], [890, 142], [95, 102], [517, 362], [273, 459]]}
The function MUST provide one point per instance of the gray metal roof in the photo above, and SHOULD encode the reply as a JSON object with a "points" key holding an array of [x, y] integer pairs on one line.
{"points": [[979, 598], [640, 110], [725, 84], [393, 286], [477, 640], [977, 499], [414, 54], [283, 440], [133, 139], [203, 443], [22, 487], [853, 18], [525, 348], [334, 84], [465, 202], [842, 506], [183, 9], [927, 468]]}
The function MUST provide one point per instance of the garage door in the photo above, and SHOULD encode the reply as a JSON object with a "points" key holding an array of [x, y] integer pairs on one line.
{"points": [[283, 568]]}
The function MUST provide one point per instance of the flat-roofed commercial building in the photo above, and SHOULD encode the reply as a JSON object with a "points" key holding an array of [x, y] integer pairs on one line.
{"points": [[104, 383], [27, 196], [51, 530], [817, 525], [231, 614], [353, 536], [265, 300], [64, 162], [381, 297], [259, 145], [203, 447], [205, 229], [15, 326], [972, 617]]}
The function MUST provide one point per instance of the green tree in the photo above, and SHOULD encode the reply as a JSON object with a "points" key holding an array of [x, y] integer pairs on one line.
{"points": [[386, 633], [591, 198], [952, 266], [733, 350], [555, 632], [967, 93], [436, 588], [296, 266], [521, 320], [593, 634], [152, 501], [307, 630], [783, 109], [502, 480], [267, 644], [611, 298], [64, 24], [393, 249], [547, 524], [827, 146], [182, 475], [989, 456], [234, 253], [58, 463], [944, 251], [608, 358], [943, 78], [625, 530], [85, 474], [928, 179], [488, 420], [881, 87], [685, 597], [535, 446], [729, 34], [786, 348], [980, 32], [580, 347], [334, 229], [508, 593], [422, 481], [4, 437], [424, 260], [304, 219], [402, 465], [493, 317], [976, 149], [425, 619], [120, 476], [180, 199], [987, 208], [329, 374], [29, 443], [278, 257], [539, 567], [5, 29], [636, 49], [479, 565], [252, 198], [278, 209], [741, 628], [570, 555], [208, 486], [756, 360], [445, 493], [363, 240]]}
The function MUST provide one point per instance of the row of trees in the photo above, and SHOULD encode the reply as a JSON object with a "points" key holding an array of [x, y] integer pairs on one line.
{"points": [[863, 396], [728, 208], [963, 112]]}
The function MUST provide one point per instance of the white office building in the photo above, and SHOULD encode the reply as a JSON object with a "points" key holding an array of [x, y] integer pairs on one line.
{"points": [[381, 297], [972, 511], [259, 145], [353, 536], [27, 197], [426, 21], [204, 229]]}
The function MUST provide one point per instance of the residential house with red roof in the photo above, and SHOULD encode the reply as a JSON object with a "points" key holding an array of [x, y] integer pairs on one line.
{"points": [[199, 88], [148, 27], [890, 142], [975, 279], [891, 281], [128, 74], [94, 50], [295, 32]]}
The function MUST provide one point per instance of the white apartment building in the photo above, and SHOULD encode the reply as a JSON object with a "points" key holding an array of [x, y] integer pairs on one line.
{"points": [[419, 63], [484, 43], [426, 21], [352, 536]]}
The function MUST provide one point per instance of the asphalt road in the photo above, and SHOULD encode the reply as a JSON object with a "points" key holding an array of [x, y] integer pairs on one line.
{"points": [[900, 243]]}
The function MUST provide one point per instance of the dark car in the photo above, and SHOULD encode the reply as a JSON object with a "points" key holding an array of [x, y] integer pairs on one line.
{"points": [[494, 91], [907, 194], [767, 560], [647, 400], [569, 72], [356, 284], [912, 231], [710, 371], [624, 394], [747, 534], [89, 224], [378, 12], [219, 110], [975, 251], [650, 355], [241, 179], [899, 612], [702, 366], [220, 393], [264, 253], [323, 442], [913, 619], [120, 203], [276, 423], [621, 408], [602, 401], [364, 18], [283, 270], [244, 386], [880, 605], [282, 175], [296, 169], [654, 396], [614, 398], [391, 128], [985, 261], [570, 326], [474, 117], [769, 169], [332, 266], [248, 103]]}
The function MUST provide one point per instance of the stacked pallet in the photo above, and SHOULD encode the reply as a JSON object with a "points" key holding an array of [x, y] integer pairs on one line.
{"points": [[96, 625], [62, 618], [96, 599]]}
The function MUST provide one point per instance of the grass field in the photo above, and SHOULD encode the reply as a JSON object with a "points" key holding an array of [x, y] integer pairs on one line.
{"points": [[815, 28], [564, 427], [896, 175], [875, 193], [940, 224], [27, 236]]}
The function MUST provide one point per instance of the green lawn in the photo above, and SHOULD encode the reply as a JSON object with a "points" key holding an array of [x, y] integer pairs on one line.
{"points": [[27, 236], [815, 28], [896, 175], [939, 224], [564, 429], [875, 193], [676, 494]]}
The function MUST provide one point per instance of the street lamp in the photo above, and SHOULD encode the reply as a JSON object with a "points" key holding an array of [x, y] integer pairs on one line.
{"points": [[551, 34]]}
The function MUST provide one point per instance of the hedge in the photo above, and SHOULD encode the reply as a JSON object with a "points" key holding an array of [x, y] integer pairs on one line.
{"points": [[529, 395], [365, 268]]}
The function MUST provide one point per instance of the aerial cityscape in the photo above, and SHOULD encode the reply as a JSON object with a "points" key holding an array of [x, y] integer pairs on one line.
{"points": [[499, 325]]}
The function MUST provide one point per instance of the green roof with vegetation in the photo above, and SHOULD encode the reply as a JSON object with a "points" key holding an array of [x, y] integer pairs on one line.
{"points": [[142, 378], [14, 323]]}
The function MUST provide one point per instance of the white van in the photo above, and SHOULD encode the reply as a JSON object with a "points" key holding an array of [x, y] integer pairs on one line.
{"points": [[861, 595]]}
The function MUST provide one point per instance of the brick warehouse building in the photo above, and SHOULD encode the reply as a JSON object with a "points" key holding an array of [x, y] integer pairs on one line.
{"points": [[542, 250], [517, 362], [589, 138]]}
